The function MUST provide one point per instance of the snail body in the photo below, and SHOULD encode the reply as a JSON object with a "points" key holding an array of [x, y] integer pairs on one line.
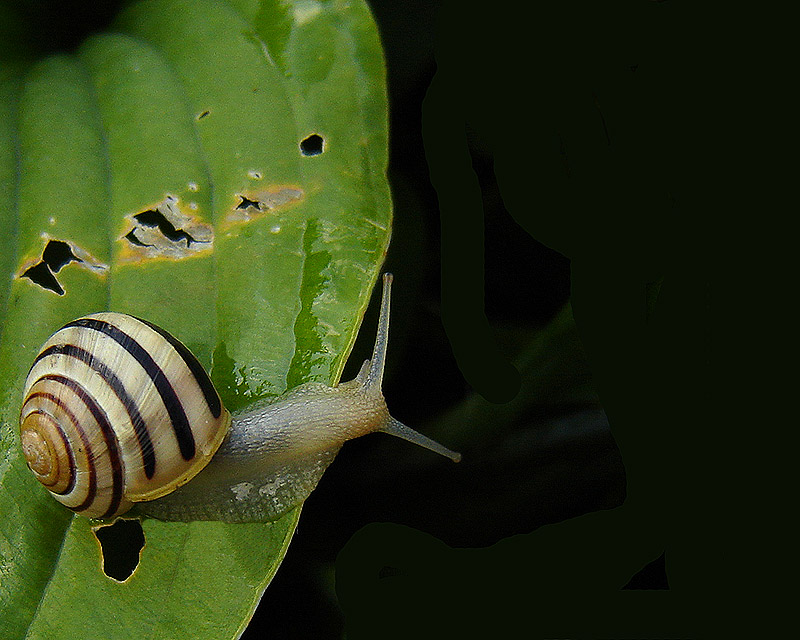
{"points": [[117, 412]]}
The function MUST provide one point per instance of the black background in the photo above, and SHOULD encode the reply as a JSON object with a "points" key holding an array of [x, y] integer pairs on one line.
{"points": [[579, 128]]}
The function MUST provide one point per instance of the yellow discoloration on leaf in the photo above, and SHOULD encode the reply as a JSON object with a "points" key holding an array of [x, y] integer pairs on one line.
{"points": [[88, 261], [28, 262], [165, 230], [254, 204]]}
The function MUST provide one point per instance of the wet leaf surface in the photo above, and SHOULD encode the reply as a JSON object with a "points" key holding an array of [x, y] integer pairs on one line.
{"points": [[123, 168]]}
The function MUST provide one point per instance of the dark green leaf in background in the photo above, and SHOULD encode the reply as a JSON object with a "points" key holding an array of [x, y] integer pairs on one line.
{"points": [[160, 170]]}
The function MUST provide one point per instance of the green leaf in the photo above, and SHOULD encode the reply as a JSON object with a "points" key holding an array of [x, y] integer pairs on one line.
{"points": [[132, 162]]}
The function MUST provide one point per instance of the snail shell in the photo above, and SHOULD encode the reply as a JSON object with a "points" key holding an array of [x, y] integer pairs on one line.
{"points": [[116, 411]]}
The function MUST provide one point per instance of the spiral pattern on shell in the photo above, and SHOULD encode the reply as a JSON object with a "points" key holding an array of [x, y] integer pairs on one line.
{"points": [[117, 411]]}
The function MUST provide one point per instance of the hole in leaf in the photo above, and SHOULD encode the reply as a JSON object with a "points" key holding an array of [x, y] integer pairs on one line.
{"points": [[246, 203], [152, 218], [164, 230], [40, 273], [131, 237], [121, 544], [253, 204], [313, 145], [56, 255]]}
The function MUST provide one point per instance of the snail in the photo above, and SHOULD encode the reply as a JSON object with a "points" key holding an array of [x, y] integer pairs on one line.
{"points": [[117, 413]]}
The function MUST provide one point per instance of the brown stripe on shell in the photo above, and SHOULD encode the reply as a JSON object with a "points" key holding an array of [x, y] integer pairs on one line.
{"points": [[200, 375], [71, 416], [111, 445], [140, 428], [177, 414]]}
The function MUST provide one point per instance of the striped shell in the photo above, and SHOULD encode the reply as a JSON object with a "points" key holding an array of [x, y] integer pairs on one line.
{"points": [[117, 411]]}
